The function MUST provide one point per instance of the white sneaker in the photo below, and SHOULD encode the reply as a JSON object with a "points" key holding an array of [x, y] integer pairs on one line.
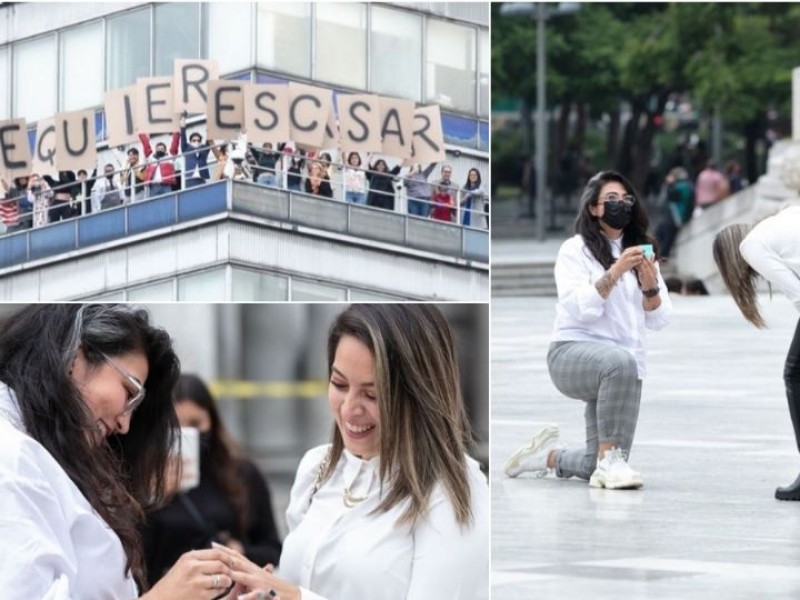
{"points": [[533, 457], [614, 473]]}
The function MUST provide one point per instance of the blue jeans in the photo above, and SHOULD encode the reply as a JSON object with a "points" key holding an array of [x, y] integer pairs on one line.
{"points": [[267, 179], [158, 189], [416, 207], [355, 197]]}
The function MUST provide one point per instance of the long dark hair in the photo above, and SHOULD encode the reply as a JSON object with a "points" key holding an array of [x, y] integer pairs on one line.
{"points": [[224, 458], [423, 426], [588, 226], [120, 478], [468, 184]]}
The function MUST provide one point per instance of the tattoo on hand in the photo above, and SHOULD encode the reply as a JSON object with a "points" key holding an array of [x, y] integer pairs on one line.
{"points": [[605, 284]]}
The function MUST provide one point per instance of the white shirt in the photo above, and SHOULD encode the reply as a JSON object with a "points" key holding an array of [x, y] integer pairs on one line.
{"points": [[338, 553], [52, 543], [772, 248], [620, 320]]}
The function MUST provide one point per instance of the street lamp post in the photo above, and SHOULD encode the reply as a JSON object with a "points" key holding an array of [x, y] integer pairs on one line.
{"points": [[540, 12]]}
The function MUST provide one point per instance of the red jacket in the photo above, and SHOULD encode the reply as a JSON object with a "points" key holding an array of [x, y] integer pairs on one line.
{"points": [[167, 168], [9, 212]]}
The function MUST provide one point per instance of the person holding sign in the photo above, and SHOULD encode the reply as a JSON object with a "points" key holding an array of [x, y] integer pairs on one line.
{"points": [[86, 427], [381, 184], [159, 174], [195, 157], [393, 508]]}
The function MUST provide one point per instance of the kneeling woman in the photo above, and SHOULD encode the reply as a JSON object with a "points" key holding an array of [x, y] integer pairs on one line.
{"points": [[393, 508], [609, 292]]}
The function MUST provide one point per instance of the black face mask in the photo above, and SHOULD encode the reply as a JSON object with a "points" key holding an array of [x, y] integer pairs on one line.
{"points": [[616, 215], [160, 154]]}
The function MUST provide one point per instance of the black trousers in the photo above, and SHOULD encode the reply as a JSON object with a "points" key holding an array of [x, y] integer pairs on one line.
{"points": [[791, 377]]}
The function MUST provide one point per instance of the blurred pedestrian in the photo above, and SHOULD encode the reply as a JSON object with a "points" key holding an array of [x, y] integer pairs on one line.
{"points": [[609, 294], [733, 171], [711, 186], [231, 505], [770, 249], [680, 206]]}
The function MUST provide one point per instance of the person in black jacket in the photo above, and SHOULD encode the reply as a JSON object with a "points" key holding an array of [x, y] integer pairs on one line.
{"points": [[231, 506], [381, 184], [317, 182]]}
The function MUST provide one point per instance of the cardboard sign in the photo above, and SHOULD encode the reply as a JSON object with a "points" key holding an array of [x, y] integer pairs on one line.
{"points": [[15, 152], [360, 122], [308, 114], [266, 113], [120, 107], [154, 100], [190, 79], [397, 127], [332, 133], [225, 118], [44, 152], [75, 147], [428, 141]]}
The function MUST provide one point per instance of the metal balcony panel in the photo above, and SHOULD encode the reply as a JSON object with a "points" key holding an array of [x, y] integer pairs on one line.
{"points": [[13, 249], [253, 199], [154, 214], [309, 210], [435, 235], [202, 201], [101, 227], [377, 224], [53, 239]]}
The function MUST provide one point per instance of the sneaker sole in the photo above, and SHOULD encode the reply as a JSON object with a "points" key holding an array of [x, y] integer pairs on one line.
{"points": [[539, 440], [599, 482]]}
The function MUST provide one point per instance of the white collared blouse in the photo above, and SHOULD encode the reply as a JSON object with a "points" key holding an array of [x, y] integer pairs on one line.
{"points": [[53, 544], [338, 553], [620, 320]]}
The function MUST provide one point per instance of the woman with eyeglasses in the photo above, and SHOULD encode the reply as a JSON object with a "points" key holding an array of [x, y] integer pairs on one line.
{"points": [[393, 508], [86, 425], [610, 291]]}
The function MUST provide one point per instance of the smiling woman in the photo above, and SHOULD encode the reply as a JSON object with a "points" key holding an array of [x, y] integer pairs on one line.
{"points": [[393, 508], [86, 424]]}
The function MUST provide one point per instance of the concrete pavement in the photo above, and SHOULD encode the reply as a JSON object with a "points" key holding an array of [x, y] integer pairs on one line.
{"points": [[714, 439]]}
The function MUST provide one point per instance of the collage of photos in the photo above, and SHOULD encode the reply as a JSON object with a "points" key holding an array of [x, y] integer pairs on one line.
{"points": [[356, 300]]}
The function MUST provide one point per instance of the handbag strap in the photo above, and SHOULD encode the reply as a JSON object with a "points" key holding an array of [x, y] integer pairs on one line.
{"points": [[192, 509]]}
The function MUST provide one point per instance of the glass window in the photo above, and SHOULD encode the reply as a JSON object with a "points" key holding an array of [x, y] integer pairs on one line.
{"points": [[5, 86], [128, 50], [110, 297], [485, 57], [177, 34], [252, 285], [232, 52], [341, 44], [310, 291], [81, 86], [208, 286], [162, 291], [284, 37], [35, 78], [362, 296], [396, 53], [450, 73]]}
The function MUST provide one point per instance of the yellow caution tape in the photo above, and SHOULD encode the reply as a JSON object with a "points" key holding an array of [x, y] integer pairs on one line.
{"points": [[233, 388]]}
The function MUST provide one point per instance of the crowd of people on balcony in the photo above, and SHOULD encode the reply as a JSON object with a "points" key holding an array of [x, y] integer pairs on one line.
{"points": [[35, 200]]}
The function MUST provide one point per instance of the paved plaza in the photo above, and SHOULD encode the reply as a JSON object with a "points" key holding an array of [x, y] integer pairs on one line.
{"points": [[714, 439]]}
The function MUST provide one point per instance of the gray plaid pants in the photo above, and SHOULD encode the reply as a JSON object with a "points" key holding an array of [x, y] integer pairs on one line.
{"points": [[606, 378]]}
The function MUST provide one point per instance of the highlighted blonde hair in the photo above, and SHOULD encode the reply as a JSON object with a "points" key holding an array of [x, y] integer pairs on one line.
{"points": [[737, 275]]}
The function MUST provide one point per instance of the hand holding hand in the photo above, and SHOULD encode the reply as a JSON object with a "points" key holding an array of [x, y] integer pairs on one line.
{"points": [[258, 580], [203, 574]]}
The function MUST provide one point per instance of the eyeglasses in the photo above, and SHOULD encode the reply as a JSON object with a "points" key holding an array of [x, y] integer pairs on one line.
{"points": [[136, 399], [627, 199]]}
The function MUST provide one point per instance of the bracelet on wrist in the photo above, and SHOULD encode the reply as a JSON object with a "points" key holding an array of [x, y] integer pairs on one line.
{"points": [[651, 293]]}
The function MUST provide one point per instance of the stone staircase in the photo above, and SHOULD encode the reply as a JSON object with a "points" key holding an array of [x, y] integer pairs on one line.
{"points": [[533, 278]]}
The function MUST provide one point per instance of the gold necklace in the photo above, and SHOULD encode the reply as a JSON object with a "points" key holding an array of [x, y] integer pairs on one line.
{"points": [[350, 500]]}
